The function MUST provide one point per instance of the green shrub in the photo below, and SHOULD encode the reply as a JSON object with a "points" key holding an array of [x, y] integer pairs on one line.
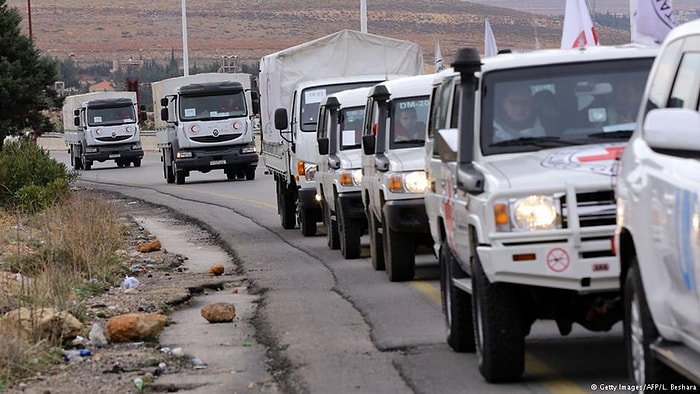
{"points": [[29, 178]]}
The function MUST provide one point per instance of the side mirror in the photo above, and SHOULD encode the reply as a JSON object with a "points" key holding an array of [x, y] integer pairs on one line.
{"points": [[281, 122], [672, 130], [164, 114], [76, 121], [470, 180], [447, 141], [164, 102], [368, 142], [76, 112], [323, 146]]}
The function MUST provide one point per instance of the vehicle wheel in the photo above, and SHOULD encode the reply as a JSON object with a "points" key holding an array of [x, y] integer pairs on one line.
{"points": [[168, 172], [456, 304], [286, 205], [250, 173], [137, 162], [126, 163], [75, 159], [307, 222], [399, 255], [230, 175], [639, 332], [119, 163], [332, 237], [349, 231], [87, 164], [376, 247], [179, 177], [500, 342]]}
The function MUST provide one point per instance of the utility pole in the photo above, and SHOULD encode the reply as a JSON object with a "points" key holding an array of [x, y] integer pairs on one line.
{"points": [[29, 17], [185, 55]]}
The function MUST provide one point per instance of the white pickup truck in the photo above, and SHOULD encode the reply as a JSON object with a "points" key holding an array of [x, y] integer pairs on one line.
{"points": [[525, 215], [658, 222], [339, 176], [393, 168]]}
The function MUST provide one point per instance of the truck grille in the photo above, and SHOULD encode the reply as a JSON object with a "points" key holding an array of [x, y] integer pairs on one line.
{"points": [[115, 138], [221, 138], [594, 209]]}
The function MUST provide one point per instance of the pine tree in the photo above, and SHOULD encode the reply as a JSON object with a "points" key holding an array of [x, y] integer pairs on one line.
{"points": [[26, 79]]}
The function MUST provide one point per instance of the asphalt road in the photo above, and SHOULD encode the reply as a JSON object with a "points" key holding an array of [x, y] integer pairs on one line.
{"points": [[342, 327]]}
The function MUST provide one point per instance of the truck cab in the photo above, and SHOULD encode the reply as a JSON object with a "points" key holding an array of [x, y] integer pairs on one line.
{"points": [[658, 221], [393, 173], [521, 205], [207, 127], [102, 126], [339, 173]]}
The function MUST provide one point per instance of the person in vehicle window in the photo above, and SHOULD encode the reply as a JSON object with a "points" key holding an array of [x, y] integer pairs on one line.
{"points": [[548, 111], [626, 99], [515, 117], [408, 127]]}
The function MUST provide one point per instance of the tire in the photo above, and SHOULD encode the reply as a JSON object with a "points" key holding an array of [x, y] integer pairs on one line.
{"points": [[307, 222], [350, 233], [399, 255], [250, 173], [639, 332], [456, 304], [286, 205], [87, 164], [332, 237], [499, 335], [169, 175], [136, 162], [75, 159], [376, 246], [180, 177], [230, 175], [119, 163]]}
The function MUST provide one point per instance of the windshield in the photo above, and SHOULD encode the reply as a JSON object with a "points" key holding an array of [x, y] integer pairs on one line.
{"points": [[408, 117], [351, 127], [230, 105], [311, 97], [111, 116], [541, 107]]}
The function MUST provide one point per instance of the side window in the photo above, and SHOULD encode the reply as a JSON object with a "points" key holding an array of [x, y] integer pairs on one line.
{"points": [[684, 93], [663, 78], [440, 110], [454, 119]]}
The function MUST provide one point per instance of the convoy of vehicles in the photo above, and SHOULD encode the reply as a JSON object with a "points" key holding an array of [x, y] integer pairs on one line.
{"points": [[393, 168], [339, 175], [102, 126], [205, 124], [292, 82], [526, 213], [658, 219]]}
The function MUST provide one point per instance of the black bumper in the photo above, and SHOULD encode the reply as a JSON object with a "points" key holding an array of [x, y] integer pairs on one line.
{"points": [[114, 152], [406, 216], [307, 200], [220, 158], [352, 206]]}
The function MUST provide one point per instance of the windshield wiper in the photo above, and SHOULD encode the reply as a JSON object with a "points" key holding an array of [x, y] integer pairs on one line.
{"points": [[543, 142], [612, 134]]}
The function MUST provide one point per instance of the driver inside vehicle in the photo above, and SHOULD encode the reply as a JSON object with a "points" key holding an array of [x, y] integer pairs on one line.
{"points": [[515, 116]]}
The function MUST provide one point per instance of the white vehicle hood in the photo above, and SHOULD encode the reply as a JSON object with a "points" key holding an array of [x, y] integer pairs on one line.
{"points": [[407, 159], [586, 165], [350, 159]]}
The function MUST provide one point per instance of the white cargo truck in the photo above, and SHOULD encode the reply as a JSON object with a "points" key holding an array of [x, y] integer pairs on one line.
{"points": [[292, 82], [205, 124], [102, 126], [523, 150]]}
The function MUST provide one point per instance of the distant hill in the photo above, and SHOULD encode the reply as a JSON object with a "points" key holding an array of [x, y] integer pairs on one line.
{"points": [[556, 7], [118, 30]]}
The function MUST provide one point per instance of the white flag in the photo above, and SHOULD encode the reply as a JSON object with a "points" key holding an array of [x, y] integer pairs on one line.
{"points": [[650, 21], [439, 66], [490, 47], [578, 28]]}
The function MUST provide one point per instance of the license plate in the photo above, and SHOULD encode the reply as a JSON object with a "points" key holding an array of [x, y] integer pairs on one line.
{"points": [[114, 155], [217, 162]]}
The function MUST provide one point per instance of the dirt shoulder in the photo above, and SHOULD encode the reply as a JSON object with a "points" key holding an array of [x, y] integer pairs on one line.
{"points": [[190, 355]]}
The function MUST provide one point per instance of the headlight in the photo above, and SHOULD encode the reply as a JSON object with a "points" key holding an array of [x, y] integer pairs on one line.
{"points": [[136, 146], [535, 213], [183, 154], [412, 182], [249, 149], [350, 177]]}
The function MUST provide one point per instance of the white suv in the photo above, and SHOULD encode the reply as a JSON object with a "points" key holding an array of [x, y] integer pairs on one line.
{"points": [[339, 175], [658, 220], [525, 215], [393, 168]]}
